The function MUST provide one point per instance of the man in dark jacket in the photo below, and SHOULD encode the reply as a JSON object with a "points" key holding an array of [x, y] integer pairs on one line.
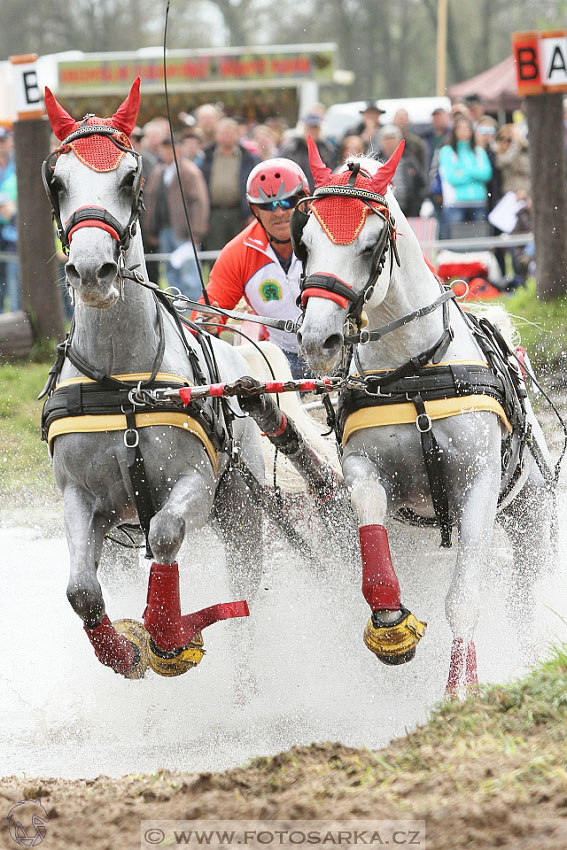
{"points": [[369, 125], [165, 225], [296, 148], [226, 165], [409, 180]]}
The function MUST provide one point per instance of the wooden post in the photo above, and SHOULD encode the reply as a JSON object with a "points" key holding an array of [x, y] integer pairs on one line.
{"points": [[41, 295], [441, 53], [549, 196]]}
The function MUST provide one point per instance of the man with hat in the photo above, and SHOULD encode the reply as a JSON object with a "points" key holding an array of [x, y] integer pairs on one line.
{"points": [[369, 126], [296, 148], [165, 223]]}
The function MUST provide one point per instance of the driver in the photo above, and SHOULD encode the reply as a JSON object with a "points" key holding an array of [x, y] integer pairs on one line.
{"points": [[259, 263]]}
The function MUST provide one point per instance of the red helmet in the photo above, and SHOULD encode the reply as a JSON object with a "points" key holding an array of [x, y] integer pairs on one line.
{"points": [[274, 180]]}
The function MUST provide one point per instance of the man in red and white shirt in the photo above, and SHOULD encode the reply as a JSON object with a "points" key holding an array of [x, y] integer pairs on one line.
{"points": [[259, 263]]}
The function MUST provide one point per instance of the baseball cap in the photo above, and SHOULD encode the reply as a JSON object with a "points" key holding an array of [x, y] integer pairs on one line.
{"points": [[313, 119]]}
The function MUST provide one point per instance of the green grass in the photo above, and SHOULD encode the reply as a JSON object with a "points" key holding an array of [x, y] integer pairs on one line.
{"points": [[542, 326], [24, 464]]}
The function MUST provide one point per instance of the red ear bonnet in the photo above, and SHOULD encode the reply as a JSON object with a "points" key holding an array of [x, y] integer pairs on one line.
{"points": [[97, 151], [61, 122], [342, 218], [321, 173], [125, 116], [384, 175]]}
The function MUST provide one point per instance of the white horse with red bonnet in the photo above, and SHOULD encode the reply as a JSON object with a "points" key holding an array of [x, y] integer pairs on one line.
{"points": [[439, 429], [115, 461]]}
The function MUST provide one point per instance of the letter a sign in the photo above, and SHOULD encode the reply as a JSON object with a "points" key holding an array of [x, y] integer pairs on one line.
{"points": [[541, 61]]}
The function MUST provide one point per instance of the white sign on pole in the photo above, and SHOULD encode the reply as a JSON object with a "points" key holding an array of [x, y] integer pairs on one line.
{"points": [[29, 103], [554, 65]]}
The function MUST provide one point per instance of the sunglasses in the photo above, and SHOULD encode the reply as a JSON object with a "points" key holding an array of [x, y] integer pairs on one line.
{"points": [[283, 204]]}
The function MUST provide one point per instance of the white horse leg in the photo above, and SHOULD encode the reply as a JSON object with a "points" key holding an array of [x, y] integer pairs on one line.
{"points": [[393, 632], [527, 522], [239, 520], [85, 535], [475, 522]]}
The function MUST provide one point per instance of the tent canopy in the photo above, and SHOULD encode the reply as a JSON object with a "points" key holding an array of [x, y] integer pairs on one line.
{"points": [[497, 87]]}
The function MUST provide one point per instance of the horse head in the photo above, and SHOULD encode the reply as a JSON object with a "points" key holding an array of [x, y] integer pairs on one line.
{"points": [[94, 183], [343, 235]]}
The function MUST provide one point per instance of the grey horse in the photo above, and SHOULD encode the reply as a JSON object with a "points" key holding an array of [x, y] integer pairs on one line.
{"points": [[119, 330], [360, 250]]}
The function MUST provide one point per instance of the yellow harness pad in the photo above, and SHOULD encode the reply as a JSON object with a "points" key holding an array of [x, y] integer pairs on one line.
{"points": [[93, 423], [406, 414]]}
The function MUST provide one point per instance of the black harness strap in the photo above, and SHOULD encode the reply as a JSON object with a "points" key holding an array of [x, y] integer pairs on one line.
{"points": [[366, 336], [433, 457], [138, 477]]}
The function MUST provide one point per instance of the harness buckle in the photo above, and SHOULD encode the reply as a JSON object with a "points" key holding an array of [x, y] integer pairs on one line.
{"points": [[364, 337], [378, 393], [136, 439], [427, 419], [368, 293]]}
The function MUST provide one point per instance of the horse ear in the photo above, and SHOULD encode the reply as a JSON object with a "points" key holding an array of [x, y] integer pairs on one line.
{"points": [[383, 176], [61, 122], [125, 116], [321, 173]]}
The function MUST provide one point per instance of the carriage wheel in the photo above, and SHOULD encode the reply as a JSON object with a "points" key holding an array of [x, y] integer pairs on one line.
{"points": [[138, 637], [178, 661]]}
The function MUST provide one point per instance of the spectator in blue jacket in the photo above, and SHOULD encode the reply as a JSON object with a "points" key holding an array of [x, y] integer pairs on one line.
{"points": [[465, 171]]}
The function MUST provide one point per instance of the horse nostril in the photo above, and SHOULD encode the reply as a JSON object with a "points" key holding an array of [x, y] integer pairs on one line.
{"points": [[107, 271], [72, 273], [332, 343], [299, 337]]}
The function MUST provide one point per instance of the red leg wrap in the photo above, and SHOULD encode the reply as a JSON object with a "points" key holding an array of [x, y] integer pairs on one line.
{"points": [[162, 617], [111, 648], [379, 582], [471, 675], [456, 666]]}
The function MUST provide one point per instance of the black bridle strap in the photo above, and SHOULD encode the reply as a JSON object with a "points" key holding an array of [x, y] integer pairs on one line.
{"points": [[366, 336], [328, 283], [107, 380], [89, 216]]}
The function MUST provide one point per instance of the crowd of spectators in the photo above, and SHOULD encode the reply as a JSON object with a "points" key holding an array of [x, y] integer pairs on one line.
{"points": [[456, 169]]}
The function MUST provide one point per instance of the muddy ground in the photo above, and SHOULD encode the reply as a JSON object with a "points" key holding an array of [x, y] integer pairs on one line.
{"points": [[486, 776]]}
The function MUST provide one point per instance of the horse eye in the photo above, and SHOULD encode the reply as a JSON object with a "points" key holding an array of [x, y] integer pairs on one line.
{"points": [[55, 185], [127, 181]]}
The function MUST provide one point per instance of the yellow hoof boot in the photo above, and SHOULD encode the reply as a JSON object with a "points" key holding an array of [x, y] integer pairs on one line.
{"points": [[394, 643], [178, 661], [138, 637]]}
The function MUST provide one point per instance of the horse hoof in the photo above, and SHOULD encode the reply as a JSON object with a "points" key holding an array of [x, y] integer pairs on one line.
{"points": [[178, 661], [138, 637], [394, 643]]}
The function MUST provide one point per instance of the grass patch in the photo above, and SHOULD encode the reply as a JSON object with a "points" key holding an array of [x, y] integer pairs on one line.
{"points": [[24, 464], [542, 325]]}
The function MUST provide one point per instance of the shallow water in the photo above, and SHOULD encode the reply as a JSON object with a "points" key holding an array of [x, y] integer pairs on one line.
{"points": [[63, 714]]}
